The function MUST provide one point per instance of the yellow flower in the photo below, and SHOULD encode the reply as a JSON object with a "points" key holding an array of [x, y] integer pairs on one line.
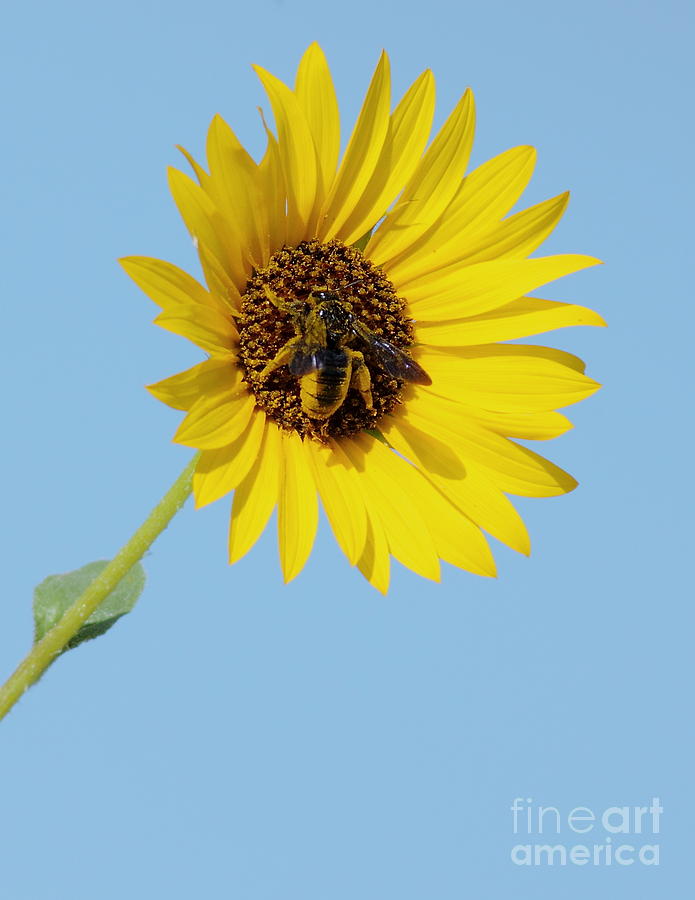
{"points": [[431, 277]]}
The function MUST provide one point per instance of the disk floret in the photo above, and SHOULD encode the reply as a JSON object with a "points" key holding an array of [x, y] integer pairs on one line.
{"points": [[271, 306]]}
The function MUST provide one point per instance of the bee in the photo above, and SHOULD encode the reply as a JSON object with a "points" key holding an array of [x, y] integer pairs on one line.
{"points": [[320, 357]]}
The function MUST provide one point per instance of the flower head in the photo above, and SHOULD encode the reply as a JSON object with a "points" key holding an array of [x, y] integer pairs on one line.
{"points": [[352, 316]]}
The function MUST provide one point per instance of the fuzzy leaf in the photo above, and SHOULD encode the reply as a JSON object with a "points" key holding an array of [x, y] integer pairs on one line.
{"points": [[57, 593]]}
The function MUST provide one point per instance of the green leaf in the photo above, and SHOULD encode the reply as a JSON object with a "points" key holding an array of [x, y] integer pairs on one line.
{"points": [[363, 241], [375, 433], [57, 593]]}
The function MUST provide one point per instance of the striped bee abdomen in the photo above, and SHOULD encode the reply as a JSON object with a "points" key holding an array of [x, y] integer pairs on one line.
{"points": [[323, 391]]}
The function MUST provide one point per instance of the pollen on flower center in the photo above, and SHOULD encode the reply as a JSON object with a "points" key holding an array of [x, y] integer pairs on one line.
{"points": [[264, 329]]}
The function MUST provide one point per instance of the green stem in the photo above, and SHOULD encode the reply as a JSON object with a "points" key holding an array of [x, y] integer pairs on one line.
{"points": [[45, 651]]}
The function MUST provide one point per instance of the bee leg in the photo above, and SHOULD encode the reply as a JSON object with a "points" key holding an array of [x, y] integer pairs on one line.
{"points": [[282, 359], [361, 380], [278, 302]]}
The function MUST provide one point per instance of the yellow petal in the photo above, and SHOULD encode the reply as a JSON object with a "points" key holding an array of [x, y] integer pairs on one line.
{"points": [[166, 284], [232, 185], [454, 355], [457, 292], [221, 285], [297, 153], [216, 420], [431, 188], [406, 139], [520, 318], [340, 497], [383, 473], [375, 562], [316, 95], [512, 468], [362, 154], [207, 226], [457, 539], [508, 378], [272, 183], [200, 173], [484, 196], [220, 471], [183, 390], [298, 513], [538, 426], [207, 328], [464, 485], [513, 238], [256, 496], [453, 536]]}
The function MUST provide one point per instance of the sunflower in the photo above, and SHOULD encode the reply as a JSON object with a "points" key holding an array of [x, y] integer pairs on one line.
{"points": [[432, 274]]}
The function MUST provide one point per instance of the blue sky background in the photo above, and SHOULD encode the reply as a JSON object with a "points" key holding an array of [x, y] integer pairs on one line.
{"points": [[237, 738]]}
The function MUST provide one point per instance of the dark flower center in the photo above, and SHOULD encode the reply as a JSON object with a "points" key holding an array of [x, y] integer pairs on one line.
{"points": [[294, 275]]}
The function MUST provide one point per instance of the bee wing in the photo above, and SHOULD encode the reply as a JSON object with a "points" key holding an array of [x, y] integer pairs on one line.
{"points": [[307, 358], [396, 363], [391, 359], [310, 350]]}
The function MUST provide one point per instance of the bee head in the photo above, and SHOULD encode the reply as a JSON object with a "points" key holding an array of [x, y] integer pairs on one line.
{"points": [[323, 294]]}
